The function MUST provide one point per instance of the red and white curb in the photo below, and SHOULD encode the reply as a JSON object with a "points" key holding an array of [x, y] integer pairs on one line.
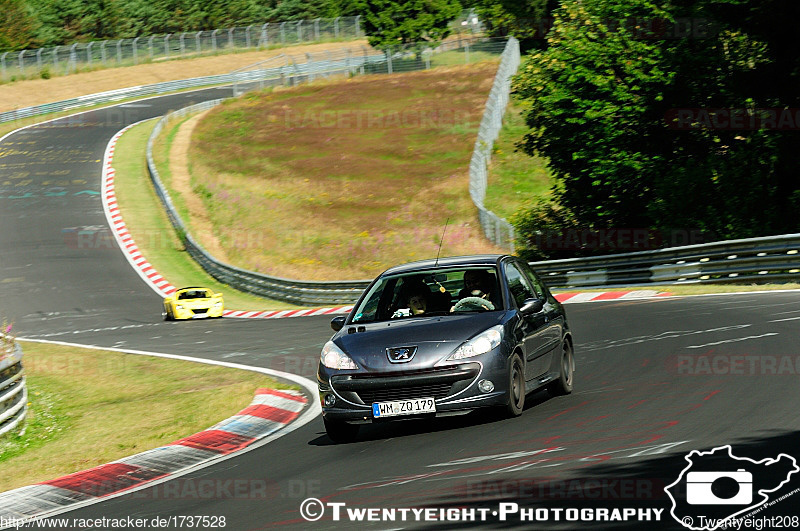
{"points": [[270, 411], [578, 297]]}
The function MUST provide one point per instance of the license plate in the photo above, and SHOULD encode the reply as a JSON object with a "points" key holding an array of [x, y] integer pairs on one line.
{"points": [[403, 407]]}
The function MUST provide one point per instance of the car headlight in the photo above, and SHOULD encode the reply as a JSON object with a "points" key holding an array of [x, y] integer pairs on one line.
{"points": [[333, 357], [480, 344], [218, 304]]}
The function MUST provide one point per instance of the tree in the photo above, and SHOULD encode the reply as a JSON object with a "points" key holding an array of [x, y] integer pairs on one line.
{"points": [[393, 23], [604, 96], [303, 10], [16, 26]]}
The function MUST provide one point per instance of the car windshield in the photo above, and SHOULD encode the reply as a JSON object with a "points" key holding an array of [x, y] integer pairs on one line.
{"points": [[427, 293], [194, 294]]}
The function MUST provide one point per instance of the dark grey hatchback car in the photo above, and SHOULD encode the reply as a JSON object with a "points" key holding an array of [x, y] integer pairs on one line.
{"points": [[437, 338]]}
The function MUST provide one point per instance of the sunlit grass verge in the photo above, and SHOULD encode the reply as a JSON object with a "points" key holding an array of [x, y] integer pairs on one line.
{"points": [[147, 222], [89, 407], [342, 179], [514, 176]]}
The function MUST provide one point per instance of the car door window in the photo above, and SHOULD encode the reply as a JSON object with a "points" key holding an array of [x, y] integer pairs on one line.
{"points": [[518, 285], [537, 285]]}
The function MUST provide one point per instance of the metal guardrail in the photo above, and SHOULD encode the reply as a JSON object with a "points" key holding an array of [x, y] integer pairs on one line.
{"points": [[125, 52], [13, 393], [497, 230], [771, 258]]}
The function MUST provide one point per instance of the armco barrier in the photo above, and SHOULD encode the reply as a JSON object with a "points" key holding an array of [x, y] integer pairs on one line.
{"points": [[771, 258], [13, 394]]}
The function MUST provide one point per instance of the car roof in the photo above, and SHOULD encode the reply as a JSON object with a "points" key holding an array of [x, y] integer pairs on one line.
{"points": [[194, 287], [448, 262]]}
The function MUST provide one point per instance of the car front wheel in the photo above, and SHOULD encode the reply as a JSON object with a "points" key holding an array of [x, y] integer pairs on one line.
{"points": [[339, 431], [516, 387]]}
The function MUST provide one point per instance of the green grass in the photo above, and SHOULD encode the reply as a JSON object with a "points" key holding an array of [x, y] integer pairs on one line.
{"points": [[147, 222], [514, 177], [342, 179], [89, 407]]}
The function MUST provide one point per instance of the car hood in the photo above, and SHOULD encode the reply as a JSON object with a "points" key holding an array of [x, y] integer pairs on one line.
{"points": [[434, 337]]}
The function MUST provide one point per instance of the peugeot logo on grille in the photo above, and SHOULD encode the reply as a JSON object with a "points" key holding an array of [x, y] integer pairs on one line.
{"points": [[400, 354]]}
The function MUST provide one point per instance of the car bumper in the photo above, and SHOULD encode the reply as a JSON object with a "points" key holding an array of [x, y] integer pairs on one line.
{"points": [[198, 313], [454, 388]]}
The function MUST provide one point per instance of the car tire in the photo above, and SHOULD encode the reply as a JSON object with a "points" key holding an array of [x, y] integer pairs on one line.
{"points": [[165, 314], [563, 385], [516, 387], [339, 431]]}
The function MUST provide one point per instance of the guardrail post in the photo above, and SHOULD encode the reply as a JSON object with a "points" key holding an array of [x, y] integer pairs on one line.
{"points": [[182, 44], [230, 38], [336, 27], [364, 62], [310, 67], [136, 50], [166, 44], [263, 41], [466, 53], [316, 29], [357, 24], [247, 40], [389, 60], [299, 31]]}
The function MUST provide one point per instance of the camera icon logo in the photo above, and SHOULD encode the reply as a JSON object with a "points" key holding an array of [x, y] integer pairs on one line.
{"points": [[719, 488]]}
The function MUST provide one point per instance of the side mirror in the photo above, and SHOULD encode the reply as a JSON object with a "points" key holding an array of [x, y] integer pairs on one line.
{"points": [[532, 306], [338, 322]]}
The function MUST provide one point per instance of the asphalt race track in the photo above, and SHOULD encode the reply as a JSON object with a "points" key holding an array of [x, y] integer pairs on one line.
{"points": [[655, 379]]}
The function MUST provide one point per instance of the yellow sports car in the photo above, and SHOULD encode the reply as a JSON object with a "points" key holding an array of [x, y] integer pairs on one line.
{"points": [[193, 303]]}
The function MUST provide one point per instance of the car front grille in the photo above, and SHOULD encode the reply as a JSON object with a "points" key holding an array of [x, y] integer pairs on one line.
{"points": [[200, 311], [435, 391]]}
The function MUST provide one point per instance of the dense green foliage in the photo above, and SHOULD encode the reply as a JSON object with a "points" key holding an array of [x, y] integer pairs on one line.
{"points": [[605, 95], [34, 23], [390, 23]]}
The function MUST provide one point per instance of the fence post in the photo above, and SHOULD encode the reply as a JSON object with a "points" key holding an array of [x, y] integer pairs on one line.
{"points": [[283, 33], [358, 26], [55, 58], [389, 60], [21, 62], [316, 29], [336, 27], [182, 44], [136, 50], [264, 40], [214, 40], [247, 36], [73, 57], [3, 63], [119, 52], [166, 44], [150, 46], [299, 31], [39, 58], [198, 46], [230, 38]]}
